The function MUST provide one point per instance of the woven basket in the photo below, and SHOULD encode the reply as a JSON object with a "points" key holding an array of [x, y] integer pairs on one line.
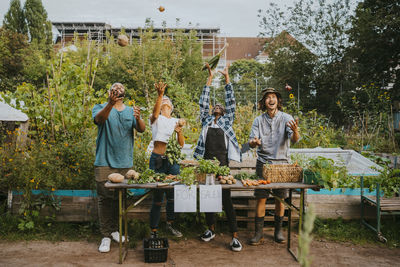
{"points": [[282, 173]]}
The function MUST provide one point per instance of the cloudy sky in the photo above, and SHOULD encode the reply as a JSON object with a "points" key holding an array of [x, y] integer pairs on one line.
{"points": [[233, 17]]}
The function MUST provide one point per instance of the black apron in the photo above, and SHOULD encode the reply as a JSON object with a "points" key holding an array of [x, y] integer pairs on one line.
{"points": [[215, 146]]}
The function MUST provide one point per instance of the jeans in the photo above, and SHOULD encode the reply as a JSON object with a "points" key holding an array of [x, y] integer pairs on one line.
{"points": [[160, 164], [229, 211], [107, 200]]}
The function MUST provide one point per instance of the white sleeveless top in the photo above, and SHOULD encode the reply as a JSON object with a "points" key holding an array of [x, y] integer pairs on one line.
{"points": [[162, 128]]}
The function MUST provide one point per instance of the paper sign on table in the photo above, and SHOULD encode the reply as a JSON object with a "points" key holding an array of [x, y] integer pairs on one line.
{"points": [[210, 198], [185, 198]]}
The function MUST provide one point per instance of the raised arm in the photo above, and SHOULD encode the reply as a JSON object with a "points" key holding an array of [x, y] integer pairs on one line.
{"points": [[140, 125], [102, 115], [204, 101], [230, 102], [160, 87]]}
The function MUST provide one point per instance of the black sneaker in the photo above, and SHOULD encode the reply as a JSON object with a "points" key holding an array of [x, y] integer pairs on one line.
{"points": [[235, 245], [207, 235]]}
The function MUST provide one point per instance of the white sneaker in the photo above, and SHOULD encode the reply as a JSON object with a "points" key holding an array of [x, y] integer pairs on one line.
{"points": [[235, 245], [105, 245], [115, 236]]}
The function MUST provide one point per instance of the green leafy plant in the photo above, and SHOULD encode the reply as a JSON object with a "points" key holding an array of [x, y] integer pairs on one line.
{"points": [[187, 176], [174, 150]]}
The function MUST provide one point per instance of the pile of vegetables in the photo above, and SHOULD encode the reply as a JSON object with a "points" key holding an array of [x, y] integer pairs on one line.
{"points": [[248, 179], [212, 166], [226, 179]]}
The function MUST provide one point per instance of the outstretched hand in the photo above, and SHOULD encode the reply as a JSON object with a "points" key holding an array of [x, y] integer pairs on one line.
{"points": [[113, 97], [255, 142], [136, 112], [210, 71], [225, 72], [294, 125], [160, 86]]}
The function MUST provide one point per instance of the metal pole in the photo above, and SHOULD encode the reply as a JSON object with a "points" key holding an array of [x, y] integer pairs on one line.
{"points": [[256, 91], [298, 95]]}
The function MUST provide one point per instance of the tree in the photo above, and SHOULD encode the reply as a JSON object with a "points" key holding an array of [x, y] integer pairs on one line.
{"points": [[244, 75], [376, 37], [291, 63], [39, 27], [14, 19], [12, 57], [322, 28]]}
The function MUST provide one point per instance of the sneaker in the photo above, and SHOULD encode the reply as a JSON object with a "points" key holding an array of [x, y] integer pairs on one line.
{"points": [[235, 244], [105, 245], [173, 231], [115, 237], [207, 235]]}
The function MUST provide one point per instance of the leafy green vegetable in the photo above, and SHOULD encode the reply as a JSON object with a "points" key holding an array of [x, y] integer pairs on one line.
{"points": [[174, 150], [187, 176]]}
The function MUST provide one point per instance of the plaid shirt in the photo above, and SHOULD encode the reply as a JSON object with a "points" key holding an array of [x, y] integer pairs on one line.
{"points": [[224, 122]]}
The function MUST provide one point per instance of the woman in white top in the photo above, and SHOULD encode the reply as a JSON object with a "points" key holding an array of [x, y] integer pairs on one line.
{"points": [[163, 125]]}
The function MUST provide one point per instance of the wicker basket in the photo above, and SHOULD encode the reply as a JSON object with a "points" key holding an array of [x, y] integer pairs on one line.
{"points": [[282, 173]]}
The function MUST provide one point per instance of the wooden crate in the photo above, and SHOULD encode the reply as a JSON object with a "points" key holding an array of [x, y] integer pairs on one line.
{"points": [[244, 203]]}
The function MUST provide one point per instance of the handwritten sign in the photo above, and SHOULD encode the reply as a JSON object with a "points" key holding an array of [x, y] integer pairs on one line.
{"points": [[210, 198], [185, 198]]}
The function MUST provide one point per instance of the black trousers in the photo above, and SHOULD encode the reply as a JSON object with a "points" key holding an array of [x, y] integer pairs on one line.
{"points": [[227, 205]]}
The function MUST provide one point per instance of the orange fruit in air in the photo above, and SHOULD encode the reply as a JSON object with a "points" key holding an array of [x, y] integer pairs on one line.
{"points": [[161, 9]]}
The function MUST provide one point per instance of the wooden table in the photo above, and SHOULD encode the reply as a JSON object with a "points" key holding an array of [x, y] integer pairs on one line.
{"points": [[123, 209]]}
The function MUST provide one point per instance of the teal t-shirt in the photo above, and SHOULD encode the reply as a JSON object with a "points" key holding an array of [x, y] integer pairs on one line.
{"points": [[114, 143]]}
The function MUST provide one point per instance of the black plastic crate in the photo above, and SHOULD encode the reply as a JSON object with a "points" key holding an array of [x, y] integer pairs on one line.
{"points": [[155, 249]]}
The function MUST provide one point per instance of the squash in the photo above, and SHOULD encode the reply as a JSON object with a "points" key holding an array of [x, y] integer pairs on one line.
{"points": [[116, 177]]}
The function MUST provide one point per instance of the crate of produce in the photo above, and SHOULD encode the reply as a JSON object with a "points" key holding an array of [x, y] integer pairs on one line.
{"points": [[283, 173], [155, 249]]}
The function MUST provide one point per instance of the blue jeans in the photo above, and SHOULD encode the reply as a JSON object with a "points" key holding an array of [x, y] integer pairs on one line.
{"points": [[160, 164]]}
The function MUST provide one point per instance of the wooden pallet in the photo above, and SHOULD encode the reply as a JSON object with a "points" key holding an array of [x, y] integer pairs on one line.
{"points": [[387, 204]]}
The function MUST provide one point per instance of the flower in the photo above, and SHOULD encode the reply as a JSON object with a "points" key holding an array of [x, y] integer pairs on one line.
{"points": [[66, 144], [291, 96], [53, 189], [44, 163], [321, 127], [354, 98], [10, 160], [194, 130], [32, 180]]}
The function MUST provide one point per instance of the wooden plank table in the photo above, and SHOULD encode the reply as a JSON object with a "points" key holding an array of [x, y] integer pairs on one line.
{"points": [[123, 209]]}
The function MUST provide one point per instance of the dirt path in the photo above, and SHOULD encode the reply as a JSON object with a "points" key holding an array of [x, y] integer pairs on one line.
{"points": [[194, 253]]}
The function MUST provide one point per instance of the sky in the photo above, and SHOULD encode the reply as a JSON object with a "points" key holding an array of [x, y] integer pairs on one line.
{"points": [[235, 18]]}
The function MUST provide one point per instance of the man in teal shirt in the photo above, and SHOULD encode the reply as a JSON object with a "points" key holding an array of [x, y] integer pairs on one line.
{"points": [[114, 153]]}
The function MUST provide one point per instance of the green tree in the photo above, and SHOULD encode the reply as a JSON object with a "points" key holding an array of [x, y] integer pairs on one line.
{"points": [[291, 63], [376, 37], [39, 27], [12, 59], [322, 28], [246, 75], [14, 19]]}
